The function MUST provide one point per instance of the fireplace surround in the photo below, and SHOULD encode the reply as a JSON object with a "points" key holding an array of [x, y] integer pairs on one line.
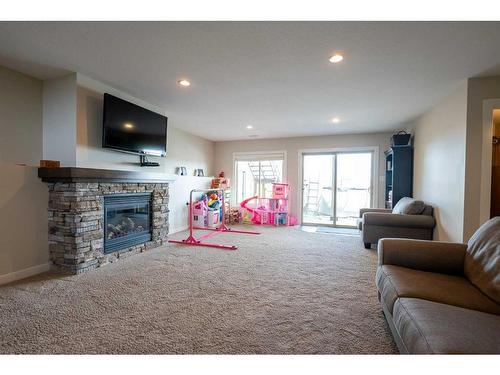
{"points": [[87, 205]]}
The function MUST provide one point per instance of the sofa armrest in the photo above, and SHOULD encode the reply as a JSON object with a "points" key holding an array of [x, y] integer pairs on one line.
{"points": [[379, 210], [398, 220], [431, 256]]}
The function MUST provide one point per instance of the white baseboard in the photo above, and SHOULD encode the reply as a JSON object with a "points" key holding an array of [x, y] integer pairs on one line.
{"points": [[21, 274], [179, 229]]}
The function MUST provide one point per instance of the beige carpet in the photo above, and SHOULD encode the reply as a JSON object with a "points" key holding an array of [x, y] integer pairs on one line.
{"points": [[284, 291]]}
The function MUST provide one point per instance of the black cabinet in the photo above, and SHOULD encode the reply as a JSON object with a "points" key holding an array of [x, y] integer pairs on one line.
{"points": [[398, 174]]}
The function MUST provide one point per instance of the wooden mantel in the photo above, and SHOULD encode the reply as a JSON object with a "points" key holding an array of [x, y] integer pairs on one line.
{"points": [[73, 174]]}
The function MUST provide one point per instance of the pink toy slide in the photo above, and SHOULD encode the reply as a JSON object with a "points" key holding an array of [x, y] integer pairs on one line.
{"points": [[256, 217]]}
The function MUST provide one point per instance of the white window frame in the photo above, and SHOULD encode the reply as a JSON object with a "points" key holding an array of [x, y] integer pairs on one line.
{"points": [[254, 156]]}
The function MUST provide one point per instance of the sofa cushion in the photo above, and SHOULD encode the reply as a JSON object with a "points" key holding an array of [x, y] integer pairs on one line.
{"points": [[408, 206], [392, 220], [427, 327], [482, 261], [395, 282]]}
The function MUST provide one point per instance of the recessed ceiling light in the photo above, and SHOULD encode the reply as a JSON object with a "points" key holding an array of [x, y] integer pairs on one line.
{"points": [[335, 120], [336, 58], [128, 126], [249, 127], [184, 82]]}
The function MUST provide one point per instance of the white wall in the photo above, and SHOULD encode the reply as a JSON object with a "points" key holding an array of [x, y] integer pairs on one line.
{"points": [[439, 163], [183, 149], [59, 120], [23, 197], [224, 155]]}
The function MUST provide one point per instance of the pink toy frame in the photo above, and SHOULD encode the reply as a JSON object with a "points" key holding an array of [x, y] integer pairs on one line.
{"points": [[191, 240]]}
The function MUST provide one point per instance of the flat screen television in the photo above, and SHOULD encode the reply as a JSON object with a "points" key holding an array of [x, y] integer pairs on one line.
{"points": [[130, 128]]}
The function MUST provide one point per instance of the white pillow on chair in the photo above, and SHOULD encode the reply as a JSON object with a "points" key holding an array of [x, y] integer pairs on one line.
{"points": [[409, 206]]}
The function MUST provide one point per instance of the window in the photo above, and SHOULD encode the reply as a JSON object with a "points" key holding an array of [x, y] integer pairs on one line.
{"points": [[255, 174]]}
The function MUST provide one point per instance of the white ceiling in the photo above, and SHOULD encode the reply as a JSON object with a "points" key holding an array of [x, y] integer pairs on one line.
{"points": [[273, 75]]}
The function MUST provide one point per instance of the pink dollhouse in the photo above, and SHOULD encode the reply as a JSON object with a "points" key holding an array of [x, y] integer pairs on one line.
{"points": [[270, 211]]}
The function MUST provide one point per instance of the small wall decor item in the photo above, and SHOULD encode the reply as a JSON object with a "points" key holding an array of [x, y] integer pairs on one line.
{"points": [[199, 172], [182, 171], [50, 163]]}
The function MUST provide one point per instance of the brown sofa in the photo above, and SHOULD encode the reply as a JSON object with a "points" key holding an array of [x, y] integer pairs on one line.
{"points": [[441, 297], [376, 223]]}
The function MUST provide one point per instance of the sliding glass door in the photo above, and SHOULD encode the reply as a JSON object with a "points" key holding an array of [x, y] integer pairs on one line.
{"points": [[317, 189], [353, 186], [335, 186]]}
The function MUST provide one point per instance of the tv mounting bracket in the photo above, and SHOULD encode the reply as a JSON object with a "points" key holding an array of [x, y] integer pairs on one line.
{"points": [[144, 162]]}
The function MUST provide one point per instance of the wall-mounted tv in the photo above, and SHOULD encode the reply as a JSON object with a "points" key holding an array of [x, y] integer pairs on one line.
{"points": [[130, 128]]}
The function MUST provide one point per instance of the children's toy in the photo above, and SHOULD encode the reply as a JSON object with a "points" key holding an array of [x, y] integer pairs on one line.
{"points": [[280, 218], [220, 183], [213, 218], [191, 240], [233, 216], [250, 215], [280, 191], [268, 211], [200, 213], [214, 202], [246, 215]]}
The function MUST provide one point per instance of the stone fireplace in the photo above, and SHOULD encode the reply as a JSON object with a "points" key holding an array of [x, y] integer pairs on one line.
{"points": [[98, 216]]}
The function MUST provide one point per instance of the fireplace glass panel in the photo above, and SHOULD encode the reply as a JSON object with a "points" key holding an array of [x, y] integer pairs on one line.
{"points": [[127, 220]]}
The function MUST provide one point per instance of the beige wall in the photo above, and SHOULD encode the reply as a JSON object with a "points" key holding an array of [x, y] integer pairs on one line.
{"points": [[183, 149], [480, 89], [23, 197], [224, 155], [439, 163], [20, 118], [23, 219]]}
